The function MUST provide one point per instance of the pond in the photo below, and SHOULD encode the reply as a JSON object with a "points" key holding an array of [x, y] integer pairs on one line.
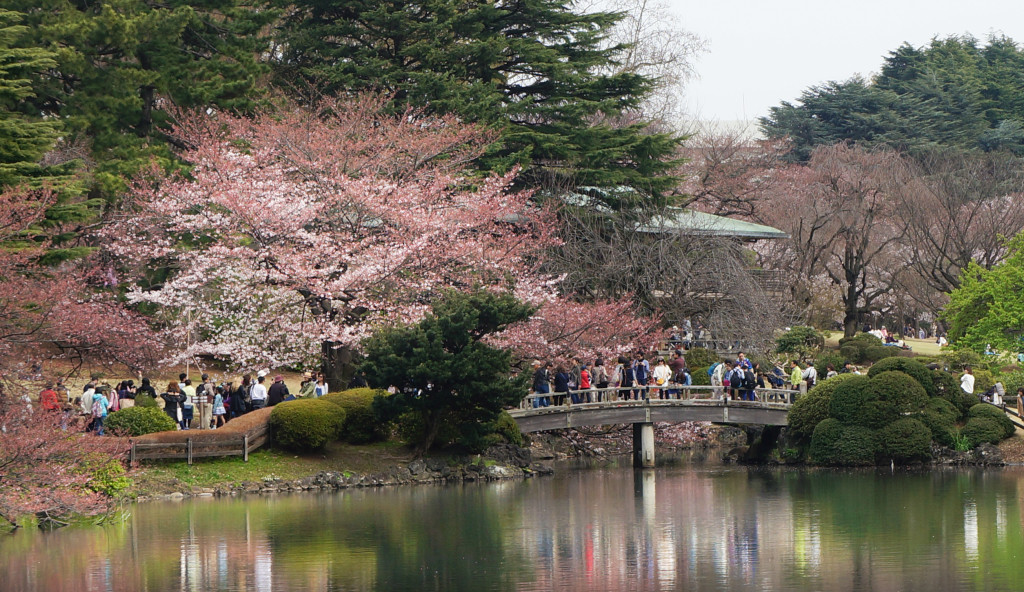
{"points": [[687, 526]]}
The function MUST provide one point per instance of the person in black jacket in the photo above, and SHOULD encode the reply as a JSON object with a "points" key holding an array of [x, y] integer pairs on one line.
{"points": [[278, 391], [542, 384], [561, 385], [173, 400], [240, 401]]}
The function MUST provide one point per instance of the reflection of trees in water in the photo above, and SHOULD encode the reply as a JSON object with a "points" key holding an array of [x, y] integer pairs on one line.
{"points": [[679, 528]]}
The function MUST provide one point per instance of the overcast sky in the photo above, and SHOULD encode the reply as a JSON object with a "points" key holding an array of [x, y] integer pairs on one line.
{"points": [[764, 52]]}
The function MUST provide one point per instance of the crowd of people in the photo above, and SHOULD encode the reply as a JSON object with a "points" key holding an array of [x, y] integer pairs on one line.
{"points": [[637, 378], [205, 405]]}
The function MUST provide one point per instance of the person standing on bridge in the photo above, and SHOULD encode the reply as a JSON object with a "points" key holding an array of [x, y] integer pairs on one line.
{"points": [[541, 384], [600, 378], [562, 380], [662, 377], [796, 375], [628, 377]]}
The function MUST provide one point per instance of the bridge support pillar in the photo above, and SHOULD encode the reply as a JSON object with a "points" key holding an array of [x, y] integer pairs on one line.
{"points": [[643, 445]]}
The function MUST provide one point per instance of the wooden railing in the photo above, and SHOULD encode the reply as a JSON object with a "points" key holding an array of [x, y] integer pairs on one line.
{"points": [[192, 444]]}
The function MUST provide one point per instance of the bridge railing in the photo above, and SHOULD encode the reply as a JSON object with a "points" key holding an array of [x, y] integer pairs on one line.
{"points": [[671, 392]]}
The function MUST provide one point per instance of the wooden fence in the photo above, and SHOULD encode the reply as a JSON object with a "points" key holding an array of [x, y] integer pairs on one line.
{"points": [[202, 444]]}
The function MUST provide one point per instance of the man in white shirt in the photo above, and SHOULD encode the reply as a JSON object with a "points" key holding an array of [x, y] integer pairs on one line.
{"points": [[259, 393], [967, 381], [810, 374]]}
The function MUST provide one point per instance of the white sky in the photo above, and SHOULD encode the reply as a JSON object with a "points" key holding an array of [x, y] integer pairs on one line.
{"points": [[764, 52]]}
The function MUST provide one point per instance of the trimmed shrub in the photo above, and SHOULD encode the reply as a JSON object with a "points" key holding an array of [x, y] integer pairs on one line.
{"points": [[507, 427], [361, 423], [698, 356], [905, 440], [137, 421], [146, 401], [880, 352], [306, 425], [979, 430], [900, 391], [700, 376], [812, 408], [855, 349], [983, 380], [800, 340], [940, 424], [943, 408], [997, 414], [835, 444], [958, 359], [849, 401], [910, 366]]}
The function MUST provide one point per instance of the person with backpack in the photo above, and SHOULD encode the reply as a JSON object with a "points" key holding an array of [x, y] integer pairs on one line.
{"points": [[642, 374], [542, 384], [240, 402], [600, 379], [100, 405], [173, 399], [628, 378]]}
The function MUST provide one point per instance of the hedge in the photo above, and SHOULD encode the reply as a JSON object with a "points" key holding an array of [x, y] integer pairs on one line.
{"points": [[880, 352], [822, 362], [986, 410], [855, 349], [836, 444], [943, 408], [147, 402], [507, 427], [138, 421], [979, 430], [905, 440], [305, 425], [361, 423], [812, 408], [915, 369], [899, 390], [700, 376], [940, 424]]}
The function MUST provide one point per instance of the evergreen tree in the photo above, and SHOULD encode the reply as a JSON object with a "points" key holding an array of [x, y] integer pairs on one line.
{"points": [[444, 372], [116, 58], [529, 68], [24, 138]]}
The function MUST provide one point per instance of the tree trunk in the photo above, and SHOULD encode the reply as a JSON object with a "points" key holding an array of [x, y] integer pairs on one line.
{"points": [[337, 365]]}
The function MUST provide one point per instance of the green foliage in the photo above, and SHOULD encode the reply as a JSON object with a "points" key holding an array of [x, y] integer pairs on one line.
{"points": [[961, 443], [856, 349], [537, 71], [822, 361], [700, 376], [138, 421], [910, 366], [1012, 381], [832, 443], [996, 414], [507, 427], [979, 430], [442, 369], [941, 425], [988, 307], [952, 92], [800, 340], [905, 440], [108, 477], [361, 423], [943, 408], [983, 381], [880, 352], [305, 425], [698, 356], [145, 401], [812, 408], [958, 359], [850, 399], [898, 393]]}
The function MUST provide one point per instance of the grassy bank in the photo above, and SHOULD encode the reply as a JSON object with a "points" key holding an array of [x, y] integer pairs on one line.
{"points": [[163, 477]]}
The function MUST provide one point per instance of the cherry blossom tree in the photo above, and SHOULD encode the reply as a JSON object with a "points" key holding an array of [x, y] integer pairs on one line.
{"points": [[303, 226]]}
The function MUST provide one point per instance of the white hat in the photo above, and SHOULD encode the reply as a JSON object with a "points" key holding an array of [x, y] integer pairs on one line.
{"points": [[261, 373]]}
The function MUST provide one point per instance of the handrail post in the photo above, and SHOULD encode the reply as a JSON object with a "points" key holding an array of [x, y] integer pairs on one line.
{"points": [[245, 447], [189, 453]]}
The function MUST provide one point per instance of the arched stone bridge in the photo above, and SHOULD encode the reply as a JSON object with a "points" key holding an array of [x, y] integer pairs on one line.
{"points": [[688, 404]]}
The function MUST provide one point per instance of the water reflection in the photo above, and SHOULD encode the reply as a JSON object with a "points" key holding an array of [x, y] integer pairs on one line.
{"points": [[703, 527]]}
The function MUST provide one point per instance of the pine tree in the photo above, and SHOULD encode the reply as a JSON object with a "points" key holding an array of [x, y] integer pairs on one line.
{"points": [[526, 67]]}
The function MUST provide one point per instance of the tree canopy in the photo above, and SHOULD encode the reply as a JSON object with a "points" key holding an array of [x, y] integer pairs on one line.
{"points": [[536, 70], [988, 307]]}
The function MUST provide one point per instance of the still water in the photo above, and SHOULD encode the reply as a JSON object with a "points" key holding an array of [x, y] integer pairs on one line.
{"points": [[691, 526]]}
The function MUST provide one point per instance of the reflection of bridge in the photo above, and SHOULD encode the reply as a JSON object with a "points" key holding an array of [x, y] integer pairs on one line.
{"points": [[609, 406]]}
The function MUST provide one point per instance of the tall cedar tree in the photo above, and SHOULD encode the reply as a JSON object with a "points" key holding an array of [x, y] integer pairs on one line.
{"points": [[952, 93], [115, 59], [442, 369], [530, 68]]}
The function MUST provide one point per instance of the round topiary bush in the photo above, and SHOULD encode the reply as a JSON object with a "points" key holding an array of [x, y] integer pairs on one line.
{"points": [[880, 352], [979, 430], [835, 444], [940, 424], [905, 440], [855, 349], [137, 421], [821, 363], [849, 401], [305, 425], [900, 391], [812, 408], [997, 414], [943, 408], [361, 423], [909, 366]]}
